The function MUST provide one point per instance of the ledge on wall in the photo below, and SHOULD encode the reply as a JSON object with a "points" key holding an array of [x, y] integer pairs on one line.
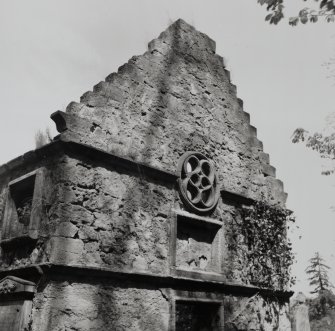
{"points": [[84, 273]]}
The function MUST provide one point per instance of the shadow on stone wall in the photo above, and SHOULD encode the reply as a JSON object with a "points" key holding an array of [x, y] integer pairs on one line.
{"points": [[91, 304]]}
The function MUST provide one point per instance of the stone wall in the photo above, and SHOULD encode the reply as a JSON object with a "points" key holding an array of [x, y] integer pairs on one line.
{"points": [[255, 314], [178, 97], [94, 306], [17, 250], [107, 218], [110, 243]]}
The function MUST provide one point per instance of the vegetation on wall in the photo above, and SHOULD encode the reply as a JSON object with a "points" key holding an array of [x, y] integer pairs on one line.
{"points": [[269, 251], [42, 138]]}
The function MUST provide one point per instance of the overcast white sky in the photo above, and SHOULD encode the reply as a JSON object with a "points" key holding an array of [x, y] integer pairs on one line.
{"points": [[51, 52]]}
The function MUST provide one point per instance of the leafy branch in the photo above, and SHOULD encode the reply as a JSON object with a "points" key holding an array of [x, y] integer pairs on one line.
{"points": [[305, 15], [324, 145]]}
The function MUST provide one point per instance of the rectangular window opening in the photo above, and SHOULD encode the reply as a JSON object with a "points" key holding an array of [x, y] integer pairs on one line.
{"points": [[23, 210], [22, 193]]}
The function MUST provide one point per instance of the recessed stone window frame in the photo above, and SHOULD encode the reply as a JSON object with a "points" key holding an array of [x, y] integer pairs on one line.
{"points": [[210, 227], [210, 301], [22, 218], [16, 296]]}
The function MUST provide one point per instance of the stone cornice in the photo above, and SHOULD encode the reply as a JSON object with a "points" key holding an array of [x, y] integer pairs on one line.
{"points": [[85, 273]]}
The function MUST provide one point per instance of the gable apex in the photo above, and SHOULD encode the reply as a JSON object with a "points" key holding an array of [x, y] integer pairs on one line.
{"points": [[183, 36], [178, 88]]}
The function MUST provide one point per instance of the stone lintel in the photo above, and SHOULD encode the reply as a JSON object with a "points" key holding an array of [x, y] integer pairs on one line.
{"points": [[235, 197], [23, 240], [194, 217]]}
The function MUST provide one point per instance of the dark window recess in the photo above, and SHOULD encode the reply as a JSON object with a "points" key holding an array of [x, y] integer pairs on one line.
{"points": [[22, 194], [195, 316], [17, 251], [23, 210]]}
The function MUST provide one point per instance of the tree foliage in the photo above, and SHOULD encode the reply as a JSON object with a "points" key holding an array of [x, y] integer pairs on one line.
{"points": [[325, 8], [318, 274], [322, 311], [323, 144]]}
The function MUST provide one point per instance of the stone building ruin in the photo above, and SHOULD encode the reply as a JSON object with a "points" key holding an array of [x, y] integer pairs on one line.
{"points": [[126, 220]]}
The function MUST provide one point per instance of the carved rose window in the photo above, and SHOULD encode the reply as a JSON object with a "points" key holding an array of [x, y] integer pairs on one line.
{"points": [[198, 184]]}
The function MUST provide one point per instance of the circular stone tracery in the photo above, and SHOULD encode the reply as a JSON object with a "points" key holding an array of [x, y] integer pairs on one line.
{"points": [[197, 182]]}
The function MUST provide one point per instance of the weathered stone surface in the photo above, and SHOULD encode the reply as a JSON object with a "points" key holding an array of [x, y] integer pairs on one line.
{"points": [[88, 307], [179, 88], [2, 202], [255, 314], [120, 213], [66, 230], [110, 217], [299, 314], [65, 250]]}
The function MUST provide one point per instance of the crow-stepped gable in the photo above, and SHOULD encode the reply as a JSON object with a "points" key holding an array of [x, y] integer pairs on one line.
{"points": [[126, 221]]}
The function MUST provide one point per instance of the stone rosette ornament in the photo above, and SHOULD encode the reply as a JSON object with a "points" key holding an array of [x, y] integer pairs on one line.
{"points": [[198, 183], [7, 286]]}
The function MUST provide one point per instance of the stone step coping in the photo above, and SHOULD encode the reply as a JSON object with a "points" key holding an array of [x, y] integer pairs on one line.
{"points": [[57, 271]]}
